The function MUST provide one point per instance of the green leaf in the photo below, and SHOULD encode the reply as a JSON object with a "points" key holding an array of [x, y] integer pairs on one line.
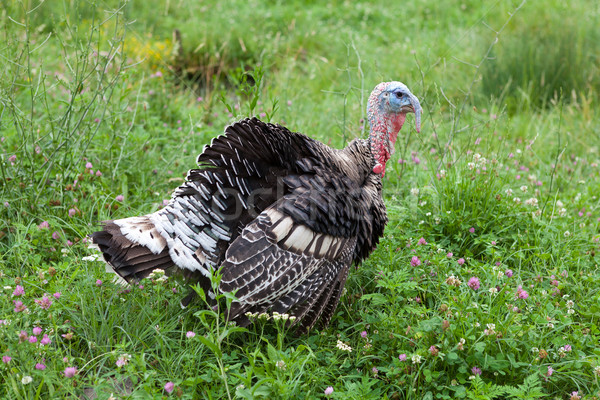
{"points": [[212, 346]]}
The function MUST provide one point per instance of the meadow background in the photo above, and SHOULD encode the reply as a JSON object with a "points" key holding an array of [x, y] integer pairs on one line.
{"points": [[486, 284]]}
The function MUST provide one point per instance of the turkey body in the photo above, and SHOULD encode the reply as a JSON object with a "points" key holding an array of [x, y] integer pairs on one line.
{"points": [[283, 215]]}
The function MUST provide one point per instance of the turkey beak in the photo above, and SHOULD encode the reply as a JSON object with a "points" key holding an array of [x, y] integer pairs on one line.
{"points": [[416, 106]]}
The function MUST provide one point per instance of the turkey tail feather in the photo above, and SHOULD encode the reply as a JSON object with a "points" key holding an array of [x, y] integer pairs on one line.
{"points": [[130, 258]]}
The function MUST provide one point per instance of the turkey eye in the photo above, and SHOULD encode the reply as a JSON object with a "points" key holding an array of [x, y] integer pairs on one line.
{"points": [[399, 94]]}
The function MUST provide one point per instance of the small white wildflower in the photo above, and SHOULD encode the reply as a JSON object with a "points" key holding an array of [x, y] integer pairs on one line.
{"points": [[156, 273], [292, 318], [414, 192], [442, 173], [343, 346], [559, 204], [535, 350], [437, 220], [582, 225], [428, 214], [562, 212], [517, 200], [471, 166], [567, 234], [550, 325], [597, 370], [493, 291], [476, 157], [523, 189], [26, 380], [264, 316], [500, 275], [416, 359], [508, 192], [281, 365], [91, 257], [570, 311]]}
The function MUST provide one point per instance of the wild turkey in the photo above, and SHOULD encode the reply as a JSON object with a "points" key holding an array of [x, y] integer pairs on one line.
{"points": [[284, 215]]}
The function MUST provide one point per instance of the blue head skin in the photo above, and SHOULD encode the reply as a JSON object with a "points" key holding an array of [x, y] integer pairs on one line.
{"points": [[401, 100], [387, 108]]}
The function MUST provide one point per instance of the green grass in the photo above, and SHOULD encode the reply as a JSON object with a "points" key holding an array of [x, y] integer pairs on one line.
{"points": [[81, 83]]}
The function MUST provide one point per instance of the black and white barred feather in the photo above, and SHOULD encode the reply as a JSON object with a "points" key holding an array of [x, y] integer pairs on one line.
{"points": [[283, 215]]}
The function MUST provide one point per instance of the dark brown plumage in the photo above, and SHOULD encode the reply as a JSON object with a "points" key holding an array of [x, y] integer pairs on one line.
{"points": [[283, 215]]}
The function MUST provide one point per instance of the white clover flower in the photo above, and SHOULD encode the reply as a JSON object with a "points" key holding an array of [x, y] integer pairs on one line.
{"points": [[508, 192], [123, 360], [559, 204], [533, 202], [493, 291], [570, 311], [570, 304], [414, 192], [476, 157], [416, 359], [517, 200], [500, 275], [597, 370], [442, 173], [281, 365], [26, 380], [471, 166], [567, 234], [562, 212], [523, 188]]}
